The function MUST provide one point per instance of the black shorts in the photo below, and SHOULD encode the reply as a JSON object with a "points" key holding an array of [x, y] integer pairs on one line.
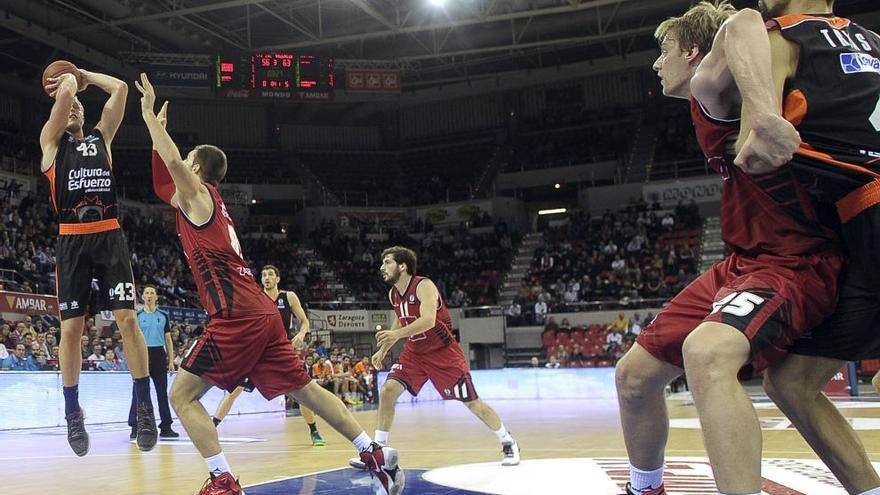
{"points": [[852, 332], [103, 256]]}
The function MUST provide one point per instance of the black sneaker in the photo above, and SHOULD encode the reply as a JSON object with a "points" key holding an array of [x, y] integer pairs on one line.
{"points": [[77, 436], [147, 434], [167, 432], [134, 432]]}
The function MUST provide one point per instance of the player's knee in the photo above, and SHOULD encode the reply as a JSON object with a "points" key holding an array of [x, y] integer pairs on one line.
{"points": [[778, 391], [474, 405], [126, 321], [714, 353], [175, 397], [633, 382]]}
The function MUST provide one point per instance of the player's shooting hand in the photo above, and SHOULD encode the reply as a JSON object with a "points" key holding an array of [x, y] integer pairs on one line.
{"points": [[55, 82], [378, 358], [148, 95], [387, 338], [163, 115], [771, 143]]}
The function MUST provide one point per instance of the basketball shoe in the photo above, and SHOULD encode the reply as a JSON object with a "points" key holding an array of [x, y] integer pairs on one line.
{"points": [[660, 490], [77, 436], [510, 452], [317, 439], [224, 484], [382, 463], [147, 434]]}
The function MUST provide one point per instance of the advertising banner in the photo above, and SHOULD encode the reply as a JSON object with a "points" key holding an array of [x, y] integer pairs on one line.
{"points": [[32, 304], [705, 190], [349, 320], [186, 76], [372, 80]]}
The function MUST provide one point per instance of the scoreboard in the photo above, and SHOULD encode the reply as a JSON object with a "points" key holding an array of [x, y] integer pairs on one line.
{"points": [[274, 75]]}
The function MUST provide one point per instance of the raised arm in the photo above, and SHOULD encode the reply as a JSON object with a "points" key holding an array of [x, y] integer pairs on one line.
{"points": [[59, 117], [163, 184], [190, 191], [114, 109]]}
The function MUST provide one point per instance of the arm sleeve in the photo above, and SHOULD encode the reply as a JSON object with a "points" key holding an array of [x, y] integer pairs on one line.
{"points": [[163, 184]]}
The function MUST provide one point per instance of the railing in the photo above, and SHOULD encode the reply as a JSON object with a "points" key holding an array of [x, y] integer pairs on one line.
{"points": [[675, 169]]}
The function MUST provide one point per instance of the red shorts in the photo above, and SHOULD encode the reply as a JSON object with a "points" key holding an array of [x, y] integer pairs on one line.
{"points": [[446, 368], [254, 347], [771, 300]]}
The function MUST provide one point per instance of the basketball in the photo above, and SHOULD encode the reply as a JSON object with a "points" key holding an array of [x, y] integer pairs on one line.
{"points": [[60, 67]]}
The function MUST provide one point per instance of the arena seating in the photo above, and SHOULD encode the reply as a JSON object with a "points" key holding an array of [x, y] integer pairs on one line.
{"points": [[629, 254]]}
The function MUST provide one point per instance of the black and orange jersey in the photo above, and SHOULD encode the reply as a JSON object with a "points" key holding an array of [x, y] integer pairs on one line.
{"points": [[82, 185], [834, 100], [285, 309]]}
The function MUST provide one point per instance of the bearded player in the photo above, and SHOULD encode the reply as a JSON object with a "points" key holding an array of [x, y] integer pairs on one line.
{"points": [[429, 353], [746, 312], [245, 337], [288, 305], [91, 243]]}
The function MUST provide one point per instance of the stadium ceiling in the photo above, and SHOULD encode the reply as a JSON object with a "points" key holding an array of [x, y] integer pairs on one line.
{"points": [[430, 44]]}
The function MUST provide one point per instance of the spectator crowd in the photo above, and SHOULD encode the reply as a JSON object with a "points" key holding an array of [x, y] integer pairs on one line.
{"points": [[636, 257]]}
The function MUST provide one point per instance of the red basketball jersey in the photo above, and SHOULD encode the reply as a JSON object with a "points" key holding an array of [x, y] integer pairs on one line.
{"points": [[408, 309], [227, 288], [769, 214]]}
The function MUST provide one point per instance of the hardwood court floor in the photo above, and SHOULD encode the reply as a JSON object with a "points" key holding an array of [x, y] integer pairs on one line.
{"points": [[429, 435]]}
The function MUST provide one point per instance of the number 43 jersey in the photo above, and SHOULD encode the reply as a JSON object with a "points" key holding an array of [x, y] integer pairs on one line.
{"points": [[82, 184], [226, 284]]}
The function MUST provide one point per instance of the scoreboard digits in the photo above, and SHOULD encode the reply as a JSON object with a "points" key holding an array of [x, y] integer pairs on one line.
{"points": [[271, 74]]}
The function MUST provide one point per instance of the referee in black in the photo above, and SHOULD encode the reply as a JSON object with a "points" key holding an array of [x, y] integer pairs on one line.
{"points": [[156, 326]]}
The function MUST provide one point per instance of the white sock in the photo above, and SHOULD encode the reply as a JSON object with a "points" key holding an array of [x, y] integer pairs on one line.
{"points": [[217, 464], [362, 442], [645, 480], [381, 437], [503, 435], [759, 493], [872, 491]]}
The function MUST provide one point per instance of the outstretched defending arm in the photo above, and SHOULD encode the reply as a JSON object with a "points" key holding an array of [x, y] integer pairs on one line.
{"points": [[163, 184], [188, 186]]}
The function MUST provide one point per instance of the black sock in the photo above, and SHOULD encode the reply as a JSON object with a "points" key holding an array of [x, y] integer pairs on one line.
{"points": [[216, 421], [313, 427], [71, 399], [142, 391]]}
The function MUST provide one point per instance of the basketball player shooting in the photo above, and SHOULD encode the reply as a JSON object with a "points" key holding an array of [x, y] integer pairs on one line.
{"points": [[245, 337], [91, 243]]}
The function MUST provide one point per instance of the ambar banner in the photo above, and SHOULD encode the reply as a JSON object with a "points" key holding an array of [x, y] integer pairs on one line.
{"points": [[32, 304], [706, 190]]}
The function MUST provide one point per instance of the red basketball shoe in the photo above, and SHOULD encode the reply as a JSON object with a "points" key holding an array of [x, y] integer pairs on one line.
{"points": [[224, 484], [660, 490], [387, 475]]}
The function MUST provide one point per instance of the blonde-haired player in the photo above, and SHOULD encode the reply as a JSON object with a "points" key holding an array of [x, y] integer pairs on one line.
{"points": [[288, 303]]}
